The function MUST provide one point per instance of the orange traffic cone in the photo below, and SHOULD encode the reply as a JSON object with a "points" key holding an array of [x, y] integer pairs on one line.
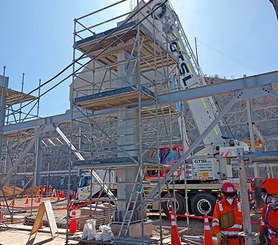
{"points": [[39, 199], [73, 223], [26, 200], [41, 225], [207, 234], [175, 237]]}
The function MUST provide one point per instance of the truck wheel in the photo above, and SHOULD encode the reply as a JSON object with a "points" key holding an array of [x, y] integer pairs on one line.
{"points": [[202, 204], [179, 202]]}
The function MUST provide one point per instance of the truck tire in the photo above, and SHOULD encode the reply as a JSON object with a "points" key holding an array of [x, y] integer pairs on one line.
{"points": [[179, 201], [202, 204]]}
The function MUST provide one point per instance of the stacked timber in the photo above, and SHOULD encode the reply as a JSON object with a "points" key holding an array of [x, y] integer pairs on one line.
{"points": [[102, 213]]}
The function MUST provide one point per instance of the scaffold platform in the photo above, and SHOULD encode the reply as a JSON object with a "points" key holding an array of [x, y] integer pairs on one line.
{"points": [[121, 97], [16, 97], [114, 163], [103, 47]]}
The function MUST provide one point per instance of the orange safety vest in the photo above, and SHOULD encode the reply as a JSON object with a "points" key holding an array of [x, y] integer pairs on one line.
{"points": [[269, 224], [231, 233]]}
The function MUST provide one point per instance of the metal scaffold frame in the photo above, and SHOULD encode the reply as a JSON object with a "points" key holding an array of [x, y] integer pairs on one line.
{"points": [[117, 77]]}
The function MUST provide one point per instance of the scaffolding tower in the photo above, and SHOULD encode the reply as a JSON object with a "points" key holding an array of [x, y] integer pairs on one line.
{"points": [[117, 79]]}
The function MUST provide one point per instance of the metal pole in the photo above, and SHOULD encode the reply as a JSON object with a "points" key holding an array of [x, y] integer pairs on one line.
{"points": [[4, 71], [252, 137], [38, 161], [244, 198], [39, 97], [196, 50], [22, 86], [4, 81]]}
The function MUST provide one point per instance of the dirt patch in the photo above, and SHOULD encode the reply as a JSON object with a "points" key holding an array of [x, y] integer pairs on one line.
{"points": [[30, 191], [11, 190]]}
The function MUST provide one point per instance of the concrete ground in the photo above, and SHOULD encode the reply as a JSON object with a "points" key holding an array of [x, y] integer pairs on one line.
{"points": [[18, 234], [21, 237]]}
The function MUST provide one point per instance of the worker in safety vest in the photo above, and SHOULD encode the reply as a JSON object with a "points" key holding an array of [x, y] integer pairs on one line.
{"points": [[268, 231], [43, 190], [227, 217], [50, 190]]}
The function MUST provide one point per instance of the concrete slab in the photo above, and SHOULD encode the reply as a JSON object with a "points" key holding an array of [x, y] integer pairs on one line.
{"points": [[20, 237]]}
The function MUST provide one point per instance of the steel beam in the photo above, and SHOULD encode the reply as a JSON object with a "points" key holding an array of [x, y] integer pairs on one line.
{"points": [[258, 81]]}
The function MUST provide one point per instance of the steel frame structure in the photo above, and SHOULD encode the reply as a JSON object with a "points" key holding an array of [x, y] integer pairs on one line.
{"points": [[152, 104], [117, 78]]}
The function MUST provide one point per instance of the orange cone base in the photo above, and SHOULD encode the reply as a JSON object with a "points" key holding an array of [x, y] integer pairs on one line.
{"points": [[73, 226], [207, 233], [208, 239], [175, 237]]}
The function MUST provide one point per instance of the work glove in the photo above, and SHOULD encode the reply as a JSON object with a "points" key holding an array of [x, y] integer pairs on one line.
{"points": [[220, 237], [260, 239]]}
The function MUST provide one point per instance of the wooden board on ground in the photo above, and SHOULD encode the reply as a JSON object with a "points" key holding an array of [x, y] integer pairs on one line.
{"points": [[51, 218], [45, 207]]}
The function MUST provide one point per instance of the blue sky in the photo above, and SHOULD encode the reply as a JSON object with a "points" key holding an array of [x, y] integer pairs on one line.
{"points": [[234, 38]]}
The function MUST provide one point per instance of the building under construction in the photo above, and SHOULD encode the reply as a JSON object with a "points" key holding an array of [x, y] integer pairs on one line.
{"points": [[145, 129]]}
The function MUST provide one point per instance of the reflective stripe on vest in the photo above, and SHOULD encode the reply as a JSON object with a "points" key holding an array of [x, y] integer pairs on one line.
{"points": [[238, 206], [237, 226], [220, 206], [230, 233], [214, 222]]}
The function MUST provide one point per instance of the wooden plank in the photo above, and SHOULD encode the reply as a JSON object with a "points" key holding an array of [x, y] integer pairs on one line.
{"points": [[45, 207], [51, 218], [36, 225]]}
